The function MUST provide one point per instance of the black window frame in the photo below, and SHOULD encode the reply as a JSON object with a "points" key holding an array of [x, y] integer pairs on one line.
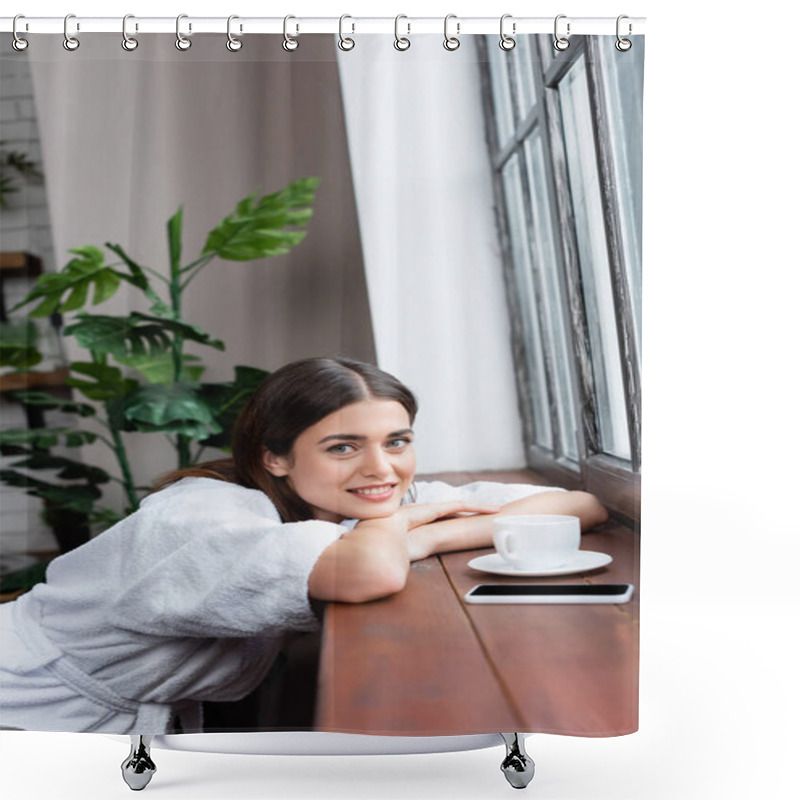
{"points": [[614, 480]]}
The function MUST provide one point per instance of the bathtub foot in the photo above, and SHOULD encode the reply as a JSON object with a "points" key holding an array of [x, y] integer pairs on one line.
{"points": [[138, 768], [517, 766]]}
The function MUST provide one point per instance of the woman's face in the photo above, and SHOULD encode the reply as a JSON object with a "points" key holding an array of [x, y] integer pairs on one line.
{"points": [[356, 463]]}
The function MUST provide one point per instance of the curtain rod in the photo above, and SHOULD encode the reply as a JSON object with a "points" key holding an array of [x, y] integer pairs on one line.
{"points": [[298, 25]]}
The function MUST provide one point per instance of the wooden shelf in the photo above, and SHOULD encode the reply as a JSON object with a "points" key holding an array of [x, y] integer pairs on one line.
{"points": [[33, 380], [23, 263], [9, 596]]}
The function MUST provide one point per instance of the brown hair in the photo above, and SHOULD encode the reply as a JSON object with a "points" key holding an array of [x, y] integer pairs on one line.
{"points": [[290, 400]]}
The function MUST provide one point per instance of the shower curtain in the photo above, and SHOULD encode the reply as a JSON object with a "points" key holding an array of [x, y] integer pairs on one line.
{"points": [[467, 218]]}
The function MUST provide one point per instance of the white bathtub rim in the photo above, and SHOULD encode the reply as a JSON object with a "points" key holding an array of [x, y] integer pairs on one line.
{"points": [[319, 743]]}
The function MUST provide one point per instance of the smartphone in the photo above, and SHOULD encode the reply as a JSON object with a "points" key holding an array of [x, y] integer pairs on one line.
{"points": [[550, 593]]}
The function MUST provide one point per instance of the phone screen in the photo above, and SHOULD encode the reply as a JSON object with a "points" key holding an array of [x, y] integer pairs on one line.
{"points": [[551, 593], [552, 589]]}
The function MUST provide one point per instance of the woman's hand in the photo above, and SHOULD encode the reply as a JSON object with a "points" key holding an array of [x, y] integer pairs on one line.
{"points": [[372, 560], [449, 532], [417, 521], [417, 514], [427, 522]]}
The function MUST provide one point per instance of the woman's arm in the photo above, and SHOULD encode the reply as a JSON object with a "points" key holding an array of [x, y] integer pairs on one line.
{"points": [[369, 562], [372, 560], [467, 533]]}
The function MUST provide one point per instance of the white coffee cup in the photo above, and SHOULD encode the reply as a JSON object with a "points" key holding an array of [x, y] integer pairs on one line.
{"points": [[537, 541]]}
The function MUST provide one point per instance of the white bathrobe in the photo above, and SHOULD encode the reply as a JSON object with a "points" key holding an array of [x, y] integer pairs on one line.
{"points": [[188, 599]]}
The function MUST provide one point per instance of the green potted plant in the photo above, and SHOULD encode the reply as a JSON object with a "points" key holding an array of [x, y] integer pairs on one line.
{"points": [[135, 376]]}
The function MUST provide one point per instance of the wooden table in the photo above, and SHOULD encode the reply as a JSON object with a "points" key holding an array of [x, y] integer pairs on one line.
{"points": [[424, 662]]}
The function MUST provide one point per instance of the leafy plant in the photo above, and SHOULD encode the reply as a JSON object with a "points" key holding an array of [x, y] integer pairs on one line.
{"points": [[137, 377], [18, 344], [14, 165]]}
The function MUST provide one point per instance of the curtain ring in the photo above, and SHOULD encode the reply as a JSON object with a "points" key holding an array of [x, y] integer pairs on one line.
{"points": [[181, 42], [506, 42], [623, 45], [129, 43], [233, 44], [451, 42], [290, 43], [560, 43], [345, 42], [70, 42], [401, 42], [19, 44]]}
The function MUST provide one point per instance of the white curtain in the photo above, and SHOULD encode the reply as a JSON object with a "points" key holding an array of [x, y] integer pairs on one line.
{"points": [[434, 273]]}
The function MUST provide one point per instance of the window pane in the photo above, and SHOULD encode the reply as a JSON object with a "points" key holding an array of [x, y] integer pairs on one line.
{"points": [[501, 92], [544, 254], [592, 254], [623, 79], [543, 433], [521, 57]]}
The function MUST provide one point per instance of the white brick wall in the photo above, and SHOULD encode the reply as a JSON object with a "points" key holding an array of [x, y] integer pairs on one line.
{"points": [[23, 226], [26, 224]]}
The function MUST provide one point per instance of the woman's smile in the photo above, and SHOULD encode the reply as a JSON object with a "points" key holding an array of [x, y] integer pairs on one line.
{"points": [[375, 494]]}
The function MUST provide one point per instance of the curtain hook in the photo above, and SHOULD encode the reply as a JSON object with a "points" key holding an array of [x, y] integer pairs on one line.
{"points": [[560, 43], [451, 42], [70, 42], [129, 43], [623, 45], [345, 42], [181, 42], [290, 43], [507, 42], [233, 44], [19, 44], [401, 42]]}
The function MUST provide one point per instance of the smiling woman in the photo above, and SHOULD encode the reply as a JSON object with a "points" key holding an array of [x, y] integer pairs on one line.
{"points": [[197, 592]]}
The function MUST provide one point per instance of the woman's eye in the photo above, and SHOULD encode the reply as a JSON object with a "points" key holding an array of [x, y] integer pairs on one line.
{"points": [[341, 449]]}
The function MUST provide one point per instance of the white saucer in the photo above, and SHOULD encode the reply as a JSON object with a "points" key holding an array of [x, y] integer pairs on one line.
{"points": [[583, 561]]}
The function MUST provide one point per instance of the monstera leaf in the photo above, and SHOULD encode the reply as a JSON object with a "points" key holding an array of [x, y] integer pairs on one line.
{"points": [[45, 438], [227, 400], [139, 279], [66, 468], [160, 367], [18, 345], [49, 402], [136, 335], [173, 408], [70, 497], [257, 228], [108, 382], [68, 290]]}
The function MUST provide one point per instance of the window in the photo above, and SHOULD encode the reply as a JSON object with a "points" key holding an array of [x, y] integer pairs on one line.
{"points": [[565, 139]]}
